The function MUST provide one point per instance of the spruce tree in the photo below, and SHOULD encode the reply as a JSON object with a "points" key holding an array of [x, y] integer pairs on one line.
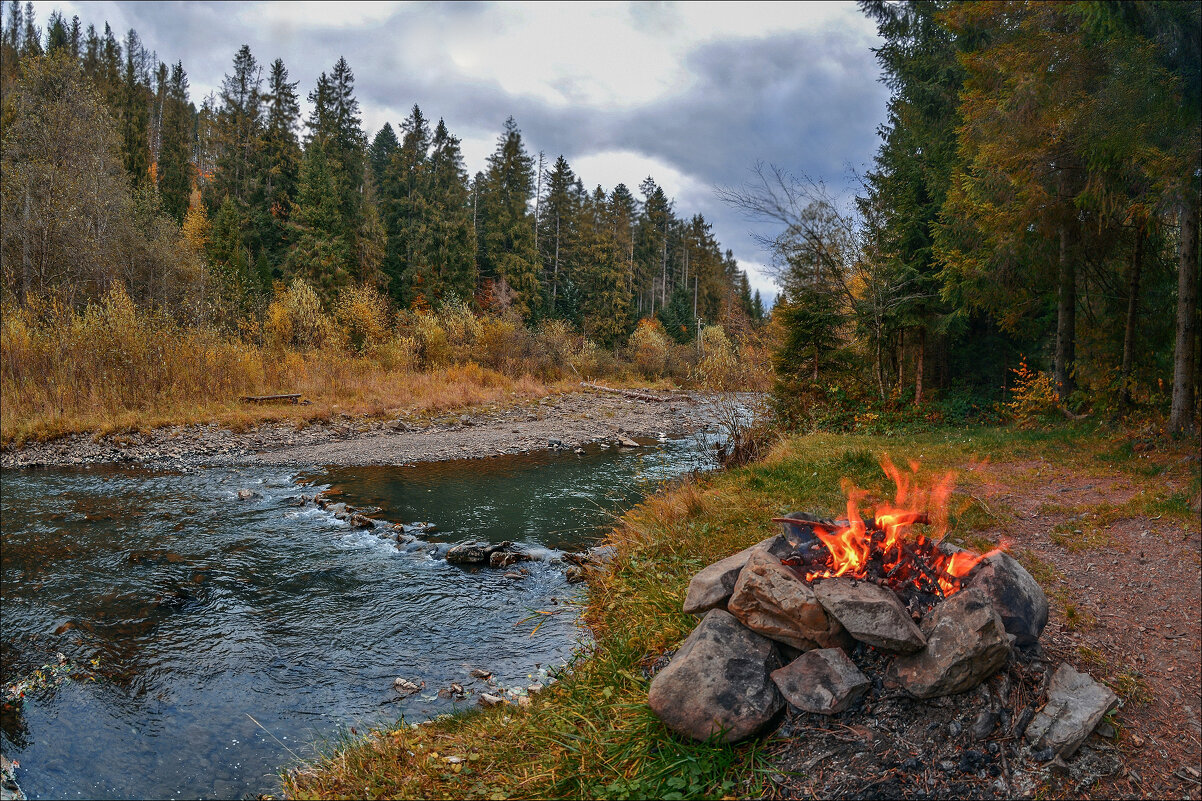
{"points": [[557, 239], [508, 237], [281, 159], [240, 132], [31, 36], [450, 246], [604, 291], [405, 198], [134, 116], [174, 167], [321, 253], [57, 37], [380, 152]]}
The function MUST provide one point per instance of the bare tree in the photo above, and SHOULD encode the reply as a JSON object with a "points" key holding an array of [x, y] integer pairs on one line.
{"points": [[821, 245]]}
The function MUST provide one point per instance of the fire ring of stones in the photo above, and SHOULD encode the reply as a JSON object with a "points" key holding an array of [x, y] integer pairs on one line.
{"points": [[774, 630]]}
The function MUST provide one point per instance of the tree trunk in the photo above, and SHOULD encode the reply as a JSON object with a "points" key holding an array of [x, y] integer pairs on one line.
{"points": [[555, 274], [1133, 276], [921, 362], [1066, 320], [1181, 415], [26, 266], [880, 367]]}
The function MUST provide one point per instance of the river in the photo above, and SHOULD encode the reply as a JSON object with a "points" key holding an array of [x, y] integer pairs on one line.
{"points": [[210, 640]]}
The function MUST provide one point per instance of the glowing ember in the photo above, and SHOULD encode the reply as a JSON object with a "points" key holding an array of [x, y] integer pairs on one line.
{"points": [[885, 549]]}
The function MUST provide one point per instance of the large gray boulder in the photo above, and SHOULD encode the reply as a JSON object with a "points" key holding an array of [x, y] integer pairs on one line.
{"points": [[966, 643], [823, 681], [1075, 707], [1015, 594], [871, 614], [711, 588], [719, 681], [770, 599]]}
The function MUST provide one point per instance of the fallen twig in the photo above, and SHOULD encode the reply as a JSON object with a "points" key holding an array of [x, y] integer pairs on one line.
{"points": [[627, 392]]}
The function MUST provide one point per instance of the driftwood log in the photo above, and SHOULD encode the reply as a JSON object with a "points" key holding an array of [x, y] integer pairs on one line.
{"points": [[293, 398], [643, 396]]}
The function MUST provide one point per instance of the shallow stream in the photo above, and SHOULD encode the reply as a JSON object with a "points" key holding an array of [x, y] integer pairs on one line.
{"points": [[212, 641]]}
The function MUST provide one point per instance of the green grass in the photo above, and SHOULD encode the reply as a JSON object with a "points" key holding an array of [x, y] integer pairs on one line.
{"points": [[592, 735]]}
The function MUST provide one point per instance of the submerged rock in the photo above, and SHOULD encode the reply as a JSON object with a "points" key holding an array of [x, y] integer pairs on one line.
{"points": [[712, 586], [823, 681], [9, 789], [770, 599], [718, 682], [966, 643]]}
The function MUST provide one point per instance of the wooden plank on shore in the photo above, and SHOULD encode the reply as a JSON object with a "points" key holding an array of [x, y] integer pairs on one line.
{"points": [[627, 392], [290, 398]]}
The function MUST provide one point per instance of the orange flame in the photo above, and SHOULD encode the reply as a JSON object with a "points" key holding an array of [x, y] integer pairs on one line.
{"points": [[852, 546]]}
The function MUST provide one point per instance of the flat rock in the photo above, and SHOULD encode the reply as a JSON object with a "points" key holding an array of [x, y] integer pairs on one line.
{"points": [[770, 599], [1016, 596], [870, 613], [1075, 707], [718, 682], [711, 588], [966, 643], [823, 681]]}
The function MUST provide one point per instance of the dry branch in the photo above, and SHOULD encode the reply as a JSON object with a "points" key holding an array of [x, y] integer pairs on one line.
{"points": [[291, 398], [627, 392]]}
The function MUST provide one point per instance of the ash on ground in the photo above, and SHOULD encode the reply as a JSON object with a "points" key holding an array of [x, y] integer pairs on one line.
{"points": [[970, 746]]}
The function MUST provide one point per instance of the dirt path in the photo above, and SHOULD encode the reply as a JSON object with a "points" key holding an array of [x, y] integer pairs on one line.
{"points": [[1126, 605], [573, 419]]}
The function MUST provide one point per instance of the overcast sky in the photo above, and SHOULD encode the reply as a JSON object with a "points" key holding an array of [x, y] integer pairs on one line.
{"points": [[691, 94]]}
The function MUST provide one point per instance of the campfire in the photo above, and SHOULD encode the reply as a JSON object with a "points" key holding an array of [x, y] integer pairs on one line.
{"points": [[836, 617], [885, 549]]}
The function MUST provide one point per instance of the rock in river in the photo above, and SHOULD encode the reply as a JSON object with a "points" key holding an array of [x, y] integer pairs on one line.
{"points": [[719, 681]]}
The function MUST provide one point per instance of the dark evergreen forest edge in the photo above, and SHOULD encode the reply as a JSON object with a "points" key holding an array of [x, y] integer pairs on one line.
{"points": [[1023, 246]]}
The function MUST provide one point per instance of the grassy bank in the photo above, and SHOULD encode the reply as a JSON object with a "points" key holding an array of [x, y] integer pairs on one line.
{"points": [[592, 734]]}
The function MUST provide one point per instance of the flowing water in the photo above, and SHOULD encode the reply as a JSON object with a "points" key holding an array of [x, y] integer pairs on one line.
{"points": [[210, 640]]}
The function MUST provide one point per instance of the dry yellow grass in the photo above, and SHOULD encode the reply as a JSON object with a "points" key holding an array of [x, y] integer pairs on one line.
{"points": [[115, 368]]}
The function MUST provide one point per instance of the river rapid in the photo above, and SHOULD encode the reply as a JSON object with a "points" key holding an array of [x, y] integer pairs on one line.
{"points": [[211, 640]]}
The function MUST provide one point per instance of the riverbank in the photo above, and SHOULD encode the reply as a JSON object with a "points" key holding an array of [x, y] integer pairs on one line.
{"points": [[1079, 507], [525, 419]]}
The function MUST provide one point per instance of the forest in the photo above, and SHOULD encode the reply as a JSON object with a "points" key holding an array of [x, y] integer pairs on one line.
{"points": [[1024, 242]]}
